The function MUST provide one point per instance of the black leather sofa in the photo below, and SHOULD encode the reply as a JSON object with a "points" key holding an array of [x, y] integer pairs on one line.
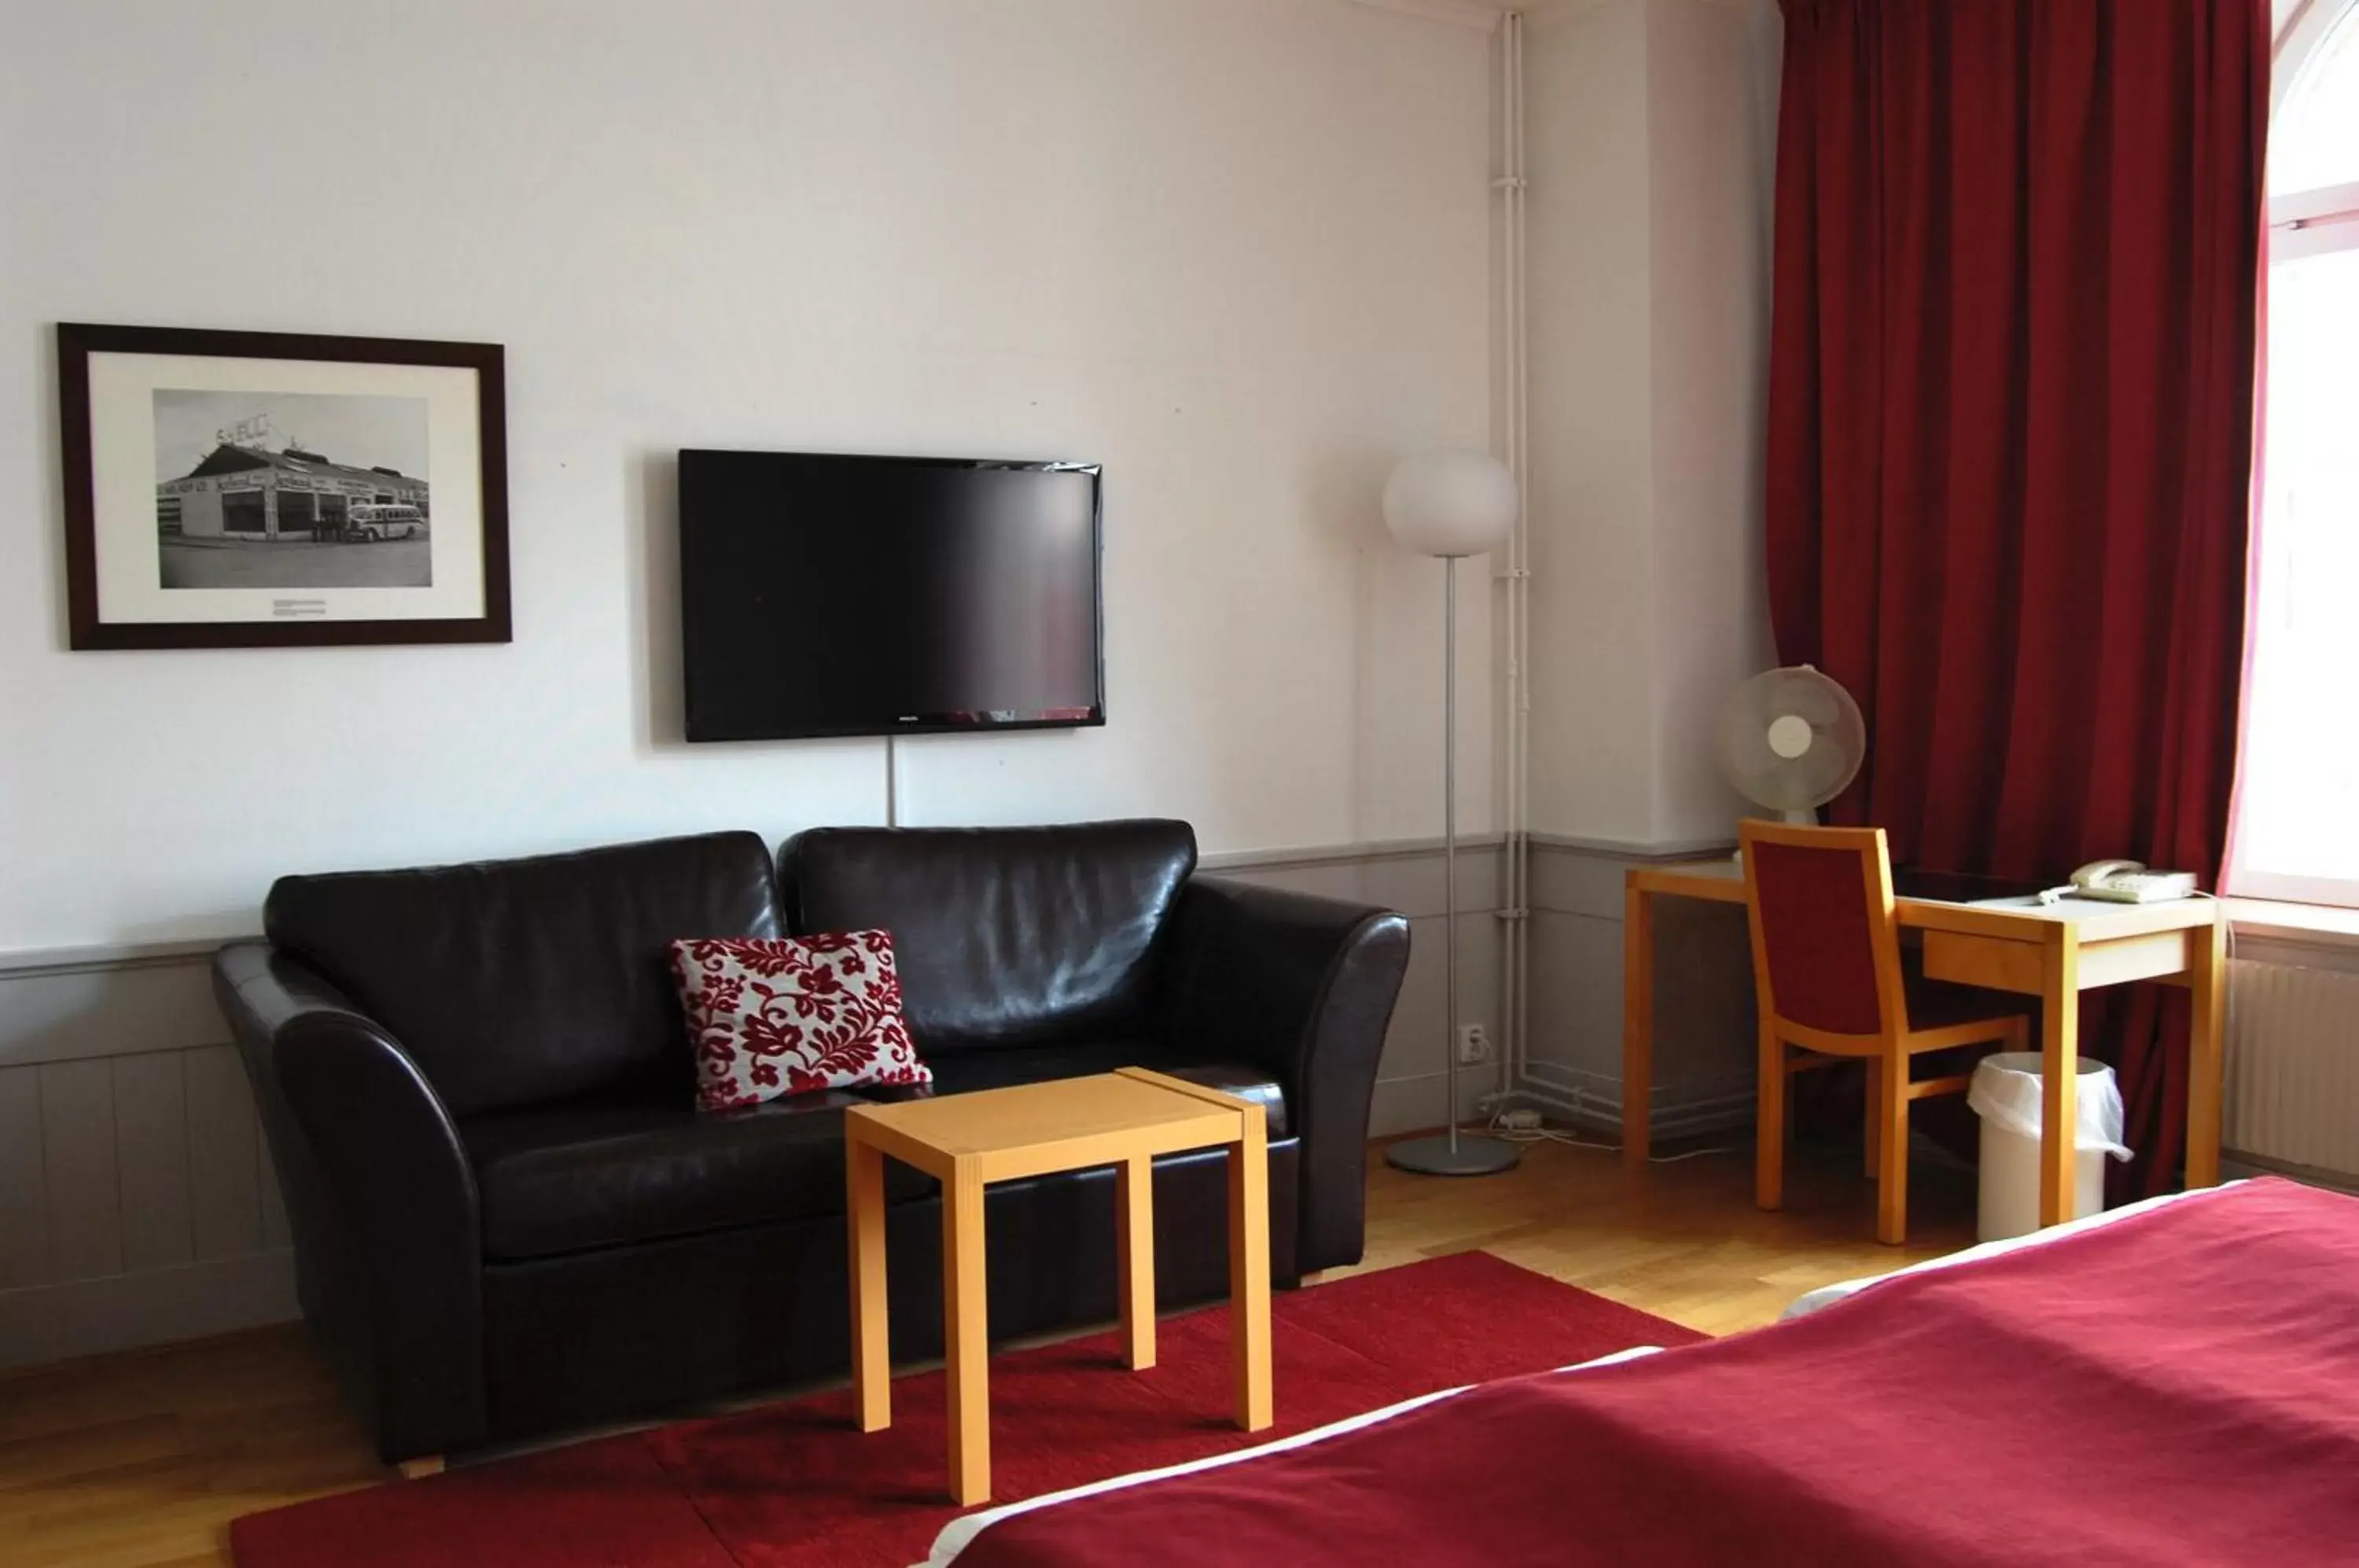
{"points": [[509, 1220]]}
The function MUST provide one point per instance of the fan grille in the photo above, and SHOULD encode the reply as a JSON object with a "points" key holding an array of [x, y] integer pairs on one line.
{"points": [[1777, 775]]}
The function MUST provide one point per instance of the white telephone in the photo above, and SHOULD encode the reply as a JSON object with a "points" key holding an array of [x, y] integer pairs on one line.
{"points": [[2129, 882]]}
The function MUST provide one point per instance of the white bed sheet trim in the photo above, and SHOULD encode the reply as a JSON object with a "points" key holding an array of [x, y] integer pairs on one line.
{"points": [[1828, 1295], [961, 1531]]}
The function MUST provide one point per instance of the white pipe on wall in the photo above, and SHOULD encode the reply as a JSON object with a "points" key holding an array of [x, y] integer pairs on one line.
{"points": [[1521, 718], [1514, 576]]}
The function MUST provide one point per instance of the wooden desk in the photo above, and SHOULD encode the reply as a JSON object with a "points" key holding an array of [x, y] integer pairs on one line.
{"points": [[2052, 952], [1122, 1118]]}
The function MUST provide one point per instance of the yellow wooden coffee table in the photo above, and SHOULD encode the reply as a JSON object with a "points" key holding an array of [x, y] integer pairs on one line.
{"points": [[1124, 1119]]}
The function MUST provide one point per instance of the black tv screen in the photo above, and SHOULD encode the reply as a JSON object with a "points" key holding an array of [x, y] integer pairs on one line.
{"points": [[833, 596]]}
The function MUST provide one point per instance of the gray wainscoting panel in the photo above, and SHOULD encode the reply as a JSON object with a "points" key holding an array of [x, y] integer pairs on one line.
{"points": [[227, 1174], [1704, 1026], [1412, 1085], [1706, 1031], [1577, 881], [1404, 876], [151, 1159], [275, 1234], [1574, 1056], [136, 1202], [1411, 1093], [87, 1005], [24, 1184], [79, 1175]]}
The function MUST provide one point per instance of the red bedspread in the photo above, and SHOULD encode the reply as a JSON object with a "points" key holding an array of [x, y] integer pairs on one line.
{"points": [[2182, 1386]]}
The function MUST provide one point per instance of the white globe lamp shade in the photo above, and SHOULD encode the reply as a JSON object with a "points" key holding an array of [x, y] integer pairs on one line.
{"points": [[1452, 503]]}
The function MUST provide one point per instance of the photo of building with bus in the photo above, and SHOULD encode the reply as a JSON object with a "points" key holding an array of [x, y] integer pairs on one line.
{"points": [[247, 493]]}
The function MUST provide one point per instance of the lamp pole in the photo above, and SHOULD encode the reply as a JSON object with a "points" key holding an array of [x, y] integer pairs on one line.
{"points": [[1449, 825], [1451, 1154]]}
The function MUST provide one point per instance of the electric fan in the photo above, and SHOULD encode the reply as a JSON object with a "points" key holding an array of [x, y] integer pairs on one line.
{"points": [[1790, 740]]}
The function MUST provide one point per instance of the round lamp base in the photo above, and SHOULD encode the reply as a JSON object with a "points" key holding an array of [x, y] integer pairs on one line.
{"points": [[1474, 1156]]}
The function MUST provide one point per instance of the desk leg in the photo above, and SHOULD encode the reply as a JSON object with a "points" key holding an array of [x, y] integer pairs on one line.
{"points": [[1249, 1270], [1134, 1225], [1637, 1023], [2059, 1071], [2207, 993], [966, 1336], [872, 1356]]}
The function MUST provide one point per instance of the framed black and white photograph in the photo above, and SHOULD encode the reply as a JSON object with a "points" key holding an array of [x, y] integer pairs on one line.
{"points": [[271, 489]]}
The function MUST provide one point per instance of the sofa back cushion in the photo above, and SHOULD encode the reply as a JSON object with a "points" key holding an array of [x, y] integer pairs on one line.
{"points": [[1005, 936], [516, 982]]}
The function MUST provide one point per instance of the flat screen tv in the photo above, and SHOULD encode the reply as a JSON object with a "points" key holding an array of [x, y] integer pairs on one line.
{"points": [[825, 595]]}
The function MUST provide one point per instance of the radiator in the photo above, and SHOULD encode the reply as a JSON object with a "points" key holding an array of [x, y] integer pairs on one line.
{"points": [[2293, 1065]]}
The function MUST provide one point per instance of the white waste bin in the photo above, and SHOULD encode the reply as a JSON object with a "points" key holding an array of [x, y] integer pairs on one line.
{"points": [[2006, 1093]]}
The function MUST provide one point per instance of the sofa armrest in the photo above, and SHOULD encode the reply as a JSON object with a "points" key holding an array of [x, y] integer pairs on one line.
{"points": [[381, 1196], [1302, 987]]}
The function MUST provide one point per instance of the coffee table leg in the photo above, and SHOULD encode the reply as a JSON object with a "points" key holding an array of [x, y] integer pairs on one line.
{"points": [[1134, 1224], [966, 1336], [1249, 1269], [872, 1356]]}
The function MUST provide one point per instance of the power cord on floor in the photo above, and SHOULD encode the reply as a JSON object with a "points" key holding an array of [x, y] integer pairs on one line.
{"points": [[1510, 1127]]}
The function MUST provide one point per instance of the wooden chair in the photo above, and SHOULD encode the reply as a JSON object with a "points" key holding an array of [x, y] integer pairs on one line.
{"points": [[1827, 972]]}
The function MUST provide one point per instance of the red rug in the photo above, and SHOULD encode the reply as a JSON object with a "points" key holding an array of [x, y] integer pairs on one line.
{"points": [[794, 1483]]}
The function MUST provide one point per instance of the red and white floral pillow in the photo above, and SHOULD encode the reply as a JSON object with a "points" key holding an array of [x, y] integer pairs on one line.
{"points": [[772, 1017]]}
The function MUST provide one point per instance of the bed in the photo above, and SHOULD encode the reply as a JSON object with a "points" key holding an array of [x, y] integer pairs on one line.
{"points": [[2174, 1382]]}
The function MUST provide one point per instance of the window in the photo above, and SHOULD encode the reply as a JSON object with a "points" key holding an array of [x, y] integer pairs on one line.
{"points": [[2298, 815]]}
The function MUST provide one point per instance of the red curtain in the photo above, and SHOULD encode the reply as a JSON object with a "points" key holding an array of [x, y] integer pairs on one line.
{"points": [[2011, 434]]}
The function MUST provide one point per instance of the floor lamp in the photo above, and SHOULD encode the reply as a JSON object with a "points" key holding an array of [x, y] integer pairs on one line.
{"points": [[1451, 503]]}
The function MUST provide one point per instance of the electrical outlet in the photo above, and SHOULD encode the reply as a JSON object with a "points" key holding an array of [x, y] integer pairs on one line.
{"points": [[1524, 1120], [1473, 1045]]}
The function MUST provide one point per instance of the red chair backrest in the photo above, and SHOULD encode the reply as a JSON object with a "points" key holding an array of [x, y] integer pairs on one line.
{"points": [[1820, 901]]}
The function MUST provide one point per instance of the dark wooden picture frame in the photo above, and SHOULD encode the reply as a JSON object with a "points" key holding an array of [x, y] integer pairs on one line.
{"points": [[78, 342]]}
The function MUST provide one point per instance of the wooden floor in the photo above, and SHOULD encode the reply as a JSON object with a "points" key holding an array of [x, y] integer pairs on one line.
{"points": [[142, 1459], [1681, 1239]]}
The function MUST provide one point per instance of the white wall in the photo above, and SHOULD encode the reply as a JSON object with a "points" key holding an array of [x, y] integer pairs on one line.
{"points": [[1592, 368], [1709, 249], [1649, 185], [1649, 309], [1236, 250]]}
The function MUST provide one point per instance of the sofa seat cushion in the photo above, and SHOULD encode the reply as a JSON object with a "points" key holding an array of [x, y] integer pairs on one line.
{"points": [[575, 1176], [971, 1070]]}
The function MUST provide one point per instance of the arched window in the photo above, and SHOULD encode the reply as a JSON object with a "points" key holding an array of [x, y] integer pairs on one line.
{"points": [[2298, 816]]}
